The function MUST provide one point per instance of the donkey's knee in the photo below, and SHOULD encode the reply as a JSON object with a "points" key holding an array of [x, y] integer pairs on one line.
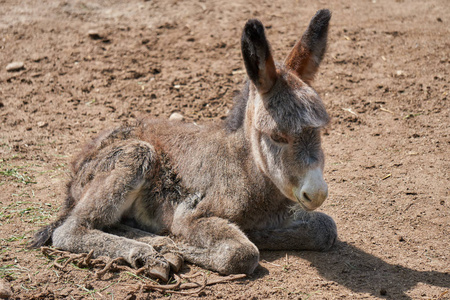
{"points": [[325, 231], [235, 257]]}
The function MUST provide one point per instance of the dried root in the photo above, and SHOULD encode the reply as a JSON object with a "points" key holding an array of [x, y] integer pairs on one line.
{"points": [[84, 260], [183, 284]]}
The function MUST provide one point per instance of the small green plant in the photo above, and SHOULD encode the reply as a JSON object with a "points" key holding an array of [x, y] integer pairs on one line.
{"points": [[8, 270], [13, 238], [16, 175], [11, 270]]}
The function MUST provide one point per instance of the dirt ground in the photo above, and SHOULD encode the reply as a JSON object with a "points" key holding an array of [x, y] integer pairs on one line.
{"points": [[89, 65]]}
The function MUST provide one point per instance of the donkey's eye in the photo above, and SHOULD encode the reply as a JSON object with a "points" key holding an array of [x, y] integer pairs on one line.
{"points": [[278, 138]]}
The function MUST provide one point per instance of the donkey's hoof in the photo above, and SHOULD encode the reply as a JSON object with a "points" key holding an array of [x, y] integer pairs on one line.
{"points": [[159, 271], [175, 261]]}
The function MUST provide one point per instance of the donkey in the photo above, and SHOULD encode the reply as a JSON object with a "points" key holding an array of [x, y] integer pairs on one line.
{"points": [[160, 192]]}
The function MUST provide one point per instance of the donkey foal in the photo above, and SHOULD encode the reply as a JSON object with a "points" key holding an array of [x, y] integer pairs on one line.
{"points": [[221, 191]]}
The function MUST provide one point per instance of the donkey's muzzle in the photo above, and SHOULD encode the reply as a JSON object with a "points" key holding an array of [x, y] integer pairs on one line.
{"points": [[314, 190]]}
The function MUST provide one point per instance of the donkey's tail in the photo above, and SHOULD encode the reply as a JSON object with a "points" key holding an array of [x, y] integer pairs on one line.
{"points": [[44, 236]]}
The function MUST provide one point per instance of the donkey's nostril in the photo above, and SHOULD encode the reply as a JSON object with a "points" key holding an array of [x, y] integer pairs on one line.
{"points": [[305, 196]]}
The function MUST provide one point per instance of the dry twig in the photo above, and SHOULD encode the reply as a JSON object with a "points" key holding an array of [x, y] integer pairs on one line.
{"points": [[350, 111], [180, 288]]}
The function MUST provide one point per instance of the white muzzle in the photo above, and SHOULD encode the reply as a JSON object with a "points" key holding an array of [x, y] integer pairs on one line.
{"points": [[314, 190]]}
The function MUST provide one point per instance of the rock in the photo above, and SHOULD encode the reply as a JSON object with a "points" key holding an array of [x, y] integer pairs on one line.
{"points": [[5, 290], [65, 292], [15, 66], [400, 73], [42, 124], [36, 57], [176, 117], [94, 34]]}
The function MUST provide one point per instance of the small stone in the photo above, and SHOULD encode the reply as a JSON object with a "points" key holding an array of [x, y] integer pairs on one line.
{"points": [[15, 66], [36, 57], [89, 286], [383, 292], [65, 292], [94, 34], [5, 290], [42, 124], [401, 239], [176, 117]]}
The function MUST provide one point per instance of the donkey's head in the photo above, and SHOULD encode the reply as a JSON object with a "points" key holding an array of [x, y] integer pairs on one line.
{"points": [[284, 115]]}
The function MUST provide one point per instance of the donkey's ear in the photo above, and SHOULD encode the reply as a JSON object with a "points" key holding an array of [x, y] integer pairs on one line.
{"points": [[257, 56], [307, 54]]}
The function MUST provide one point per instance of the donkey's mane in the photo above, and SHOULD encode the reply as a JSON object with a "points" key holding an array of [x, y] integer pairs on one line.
{"points": [[235, 118]]}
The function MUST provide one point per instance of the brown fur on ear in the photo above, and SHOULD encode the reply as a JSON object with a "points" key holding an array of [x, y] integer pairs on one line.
{"points": [[307, 54]]}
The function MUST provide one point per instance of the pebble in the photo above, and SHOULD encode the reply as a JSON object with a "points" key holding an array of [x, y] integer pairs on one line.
{"points": [[65, 292], [36, 57], [5, 290], [14, 66], [42, 124], [176, 117], [94, 34]]}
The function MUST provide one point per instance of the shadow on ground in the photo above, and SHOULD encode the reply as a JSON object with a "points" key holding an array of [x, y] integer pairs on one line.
{"points": [[362, 272]]}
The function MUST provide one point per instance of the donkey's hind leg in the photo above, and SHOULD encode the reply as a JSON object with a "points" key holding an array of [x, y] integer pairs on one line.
{"points": [[163, 244], [106, 186], [303, 231]]}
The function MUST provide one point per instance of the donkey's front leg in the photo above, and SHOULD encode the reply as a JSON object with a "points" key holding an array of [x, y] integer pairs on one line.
{"points": [[303, 231], [214, 243]]}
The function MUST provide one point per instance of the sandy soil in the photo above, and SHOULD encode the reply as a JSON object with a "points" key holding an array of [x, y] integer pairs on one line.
{"points": [[385, 81]]}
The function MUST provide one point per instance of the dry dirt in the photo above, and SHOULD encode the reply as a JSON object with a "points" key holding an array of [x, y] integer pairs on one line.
{"points": [[385, 82]]}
